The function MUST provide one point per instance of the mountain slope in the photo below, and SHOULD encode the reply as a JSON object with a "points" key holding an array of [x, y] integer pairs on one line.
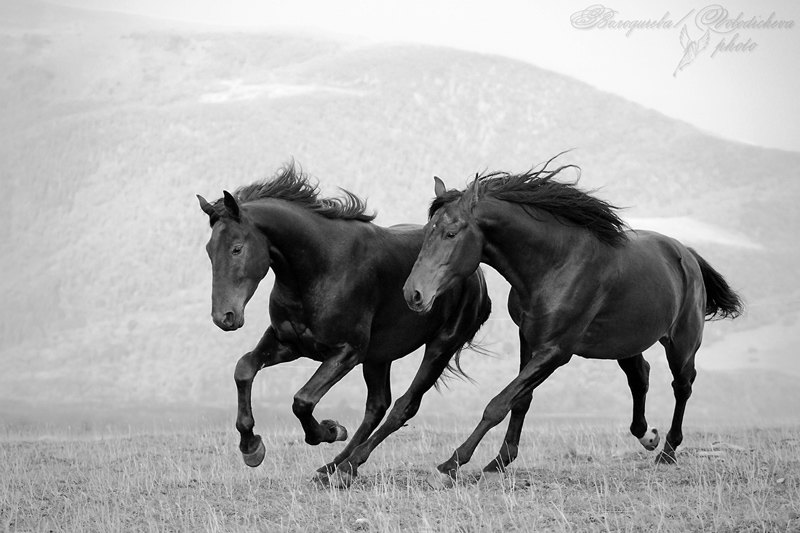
{"points": [[110, 124]]}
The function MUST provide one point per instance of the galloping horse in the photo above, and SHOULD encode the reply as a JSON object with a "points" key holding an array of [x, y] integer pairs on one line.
{"points": [[581, 283], [337, 299]]}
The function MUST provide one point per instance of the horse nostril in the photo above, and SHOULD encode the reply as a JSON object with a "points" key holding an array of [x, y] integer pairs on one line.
{"points": [[227, 320], [417, 297]]}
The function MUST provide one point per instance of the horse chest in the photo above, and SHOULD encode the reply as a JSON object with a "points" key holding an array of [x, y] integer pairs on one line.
{"points": [[301, 338]]}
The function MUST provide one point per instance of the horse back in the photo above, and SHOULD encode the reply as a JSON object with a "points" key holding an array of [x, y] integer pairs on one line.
{"points": [[458, 312], [359, 298]]}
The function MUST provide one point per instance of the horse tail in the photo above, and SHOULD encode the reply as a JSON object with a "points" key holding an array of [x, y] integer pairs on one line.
{"points": [[484, 309], [721, 300]]}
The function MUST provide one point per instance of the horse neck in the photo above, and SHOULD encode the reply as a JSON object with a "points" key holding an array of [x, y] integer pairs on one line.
{"points": [[300, 241], [524, 243]]}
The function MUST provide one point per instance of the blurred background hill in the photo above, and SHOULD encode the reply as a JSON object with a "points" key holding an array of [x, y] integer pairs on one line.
{"points": [[110, 124]]}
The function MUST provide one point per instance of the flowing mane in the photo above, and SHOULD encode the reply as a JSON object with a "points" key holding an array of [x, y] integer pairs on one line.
{"points": [[537, 188], [293, 185]]}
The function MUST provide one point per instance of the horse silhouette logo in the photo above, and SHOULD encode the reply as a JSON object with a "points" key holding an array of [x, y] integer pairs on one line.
{"points": [[691, 49]]}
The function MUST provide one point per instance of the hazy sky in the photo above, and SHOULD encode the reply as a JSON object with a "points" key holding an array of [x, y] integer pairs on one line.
{"points": [[743, 84]]}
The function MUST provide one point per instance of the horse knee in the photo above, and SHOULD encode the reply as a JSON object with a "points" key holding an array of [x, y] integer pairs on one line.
{"points": [[522, 404], [404, 408], [245, 370], [378, 410], [409, 406], [244, 424], [493, 415], [380, 405], [302, 407]]}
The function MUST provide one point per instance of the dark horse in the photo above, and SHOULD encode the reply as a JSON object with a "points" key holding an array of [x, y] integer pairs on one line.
{"points": [[580, 284], [337, 299]]}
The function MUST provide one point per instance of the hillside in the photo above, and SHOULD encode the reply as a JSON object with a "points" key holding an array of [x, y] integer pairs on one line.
{"points": [[111, 124]]}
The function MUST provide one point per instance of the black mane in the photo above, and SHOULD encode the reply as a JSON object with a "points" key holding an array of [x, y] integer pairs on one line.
{"points": [[291, 184], [537, 188]]}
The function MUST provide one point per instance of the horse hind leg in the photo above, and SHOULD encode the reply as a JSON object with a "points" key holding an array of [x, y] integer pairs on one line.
{"points": [[379, 398], [637, 370], [680, 356], [434, 362]]}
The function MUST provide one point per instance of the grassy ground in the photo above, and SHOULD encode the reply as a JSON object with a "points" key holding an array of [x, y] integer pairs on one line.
{"points": [[568, 478]]}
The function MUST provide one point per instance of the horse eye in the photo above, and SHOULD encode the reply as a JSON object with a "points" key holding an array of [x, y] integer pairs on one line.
{"points": [[237, 249], [450, 234]]}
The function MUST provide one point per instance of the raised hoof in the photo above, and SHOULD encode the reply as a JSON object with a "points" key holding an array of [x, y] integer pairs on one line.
{"points": [[253, 459], [338, 430], [439, 481], [650, 439]]}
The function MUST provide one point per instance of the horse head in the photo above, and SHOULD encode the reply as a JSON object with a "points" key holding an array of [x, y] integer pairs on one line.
{"points": [[240, 259]]}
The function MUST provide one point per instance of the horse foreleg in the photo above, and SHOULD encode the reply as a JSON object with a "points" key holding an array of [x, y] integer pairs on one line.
{"points": [[433, 364], [637, 370], [542, 364], [510, 446], [268, 352]]}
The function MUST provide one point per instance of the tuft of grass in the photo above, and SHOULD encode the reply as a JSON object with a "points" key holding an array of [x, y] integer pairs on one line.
{"points": [[567, 478]]}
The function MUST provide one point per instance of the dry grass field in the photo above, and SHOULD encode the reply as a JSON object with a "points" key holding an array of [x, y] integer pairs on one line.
{"points": [[569, 477]]}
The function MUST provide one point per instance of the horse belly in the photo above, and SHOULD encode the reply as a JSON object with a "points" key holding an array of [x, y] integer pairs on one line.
{"points": [[632, 318], [615, 341], [399, 335]]}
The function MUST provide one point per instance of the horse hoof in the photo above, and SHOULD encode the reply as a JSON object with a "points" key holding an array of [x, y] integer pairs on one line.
{"points": [[339, 431], [327, 469], [493, 480], [255, 458], [666, 458], [650, 439], [495, 467], [439, 481], [321, 479], [341, 479]]}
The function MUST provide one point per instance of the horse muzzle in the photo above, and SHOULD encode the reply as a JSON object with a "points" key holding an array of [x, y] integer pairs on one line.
{"points": [[228, 321], [417, 300]]}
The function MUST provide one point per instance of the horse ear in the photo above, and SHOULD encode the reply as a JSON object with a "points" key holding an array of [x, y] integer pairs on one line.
{"points": [[207, 208], [231, 204], [438, 187], [474, 189]]}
